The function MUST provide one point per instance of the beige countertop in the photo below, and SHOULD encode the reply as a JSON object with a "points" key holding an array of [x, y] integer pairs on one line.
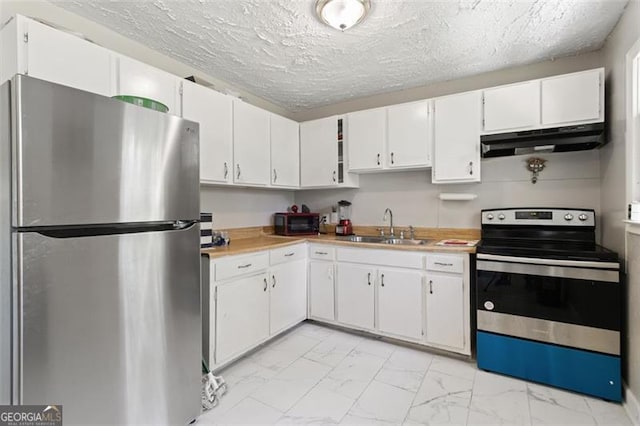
{"points": [[265, 242]]}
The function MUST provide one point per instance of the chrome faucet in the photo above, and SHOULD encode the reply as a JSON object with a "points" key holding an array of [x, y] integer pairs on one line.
{"points": [[384, 218]]}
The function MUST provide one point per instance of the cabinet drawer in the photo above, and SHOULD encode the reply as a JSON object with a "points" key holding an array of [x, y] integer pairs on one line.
{"points": [[242, 265], [401, 259], [445, 263], [287, 254], [322, 252]]}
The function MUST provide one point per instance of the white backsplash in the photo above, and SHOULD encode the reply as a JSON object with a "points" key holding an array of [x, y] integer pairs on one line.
{"points": [[569, 180], [243, 207]]}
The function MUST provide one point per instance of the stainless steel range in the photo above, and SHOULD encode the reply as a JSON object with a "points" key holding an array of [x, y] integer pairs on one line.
{"points": [[549, 300]]}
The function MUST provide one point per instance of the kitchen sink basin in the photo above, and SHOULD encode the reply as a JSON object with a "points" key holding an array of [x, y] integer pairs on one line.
{"points": [[383, 240]]}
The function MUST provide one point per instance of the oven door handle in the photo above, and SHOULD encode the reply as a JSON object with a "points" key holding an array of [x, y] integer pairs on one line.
{"points": [[601, 275], [550, 262]]}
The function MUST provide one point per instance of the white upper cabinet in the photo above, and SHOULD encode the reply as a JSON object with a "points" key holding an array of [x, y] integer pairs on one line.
{"points": [[285, 152], [512, 107], [457, 121], [409, 135], [251, 147], [213, 111], [573, 98], [366, 134], [319, 152], [135, 78], [32, 48]]}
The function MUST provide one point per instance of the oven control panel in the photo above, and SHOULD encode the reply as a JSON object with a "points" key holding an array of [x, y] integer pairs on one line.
{"points": [[539, 216]]}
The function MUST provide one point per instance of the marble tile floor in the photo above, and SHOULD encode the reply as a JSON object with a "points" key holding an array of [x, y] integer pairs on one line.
{"points": [[323, 376]]}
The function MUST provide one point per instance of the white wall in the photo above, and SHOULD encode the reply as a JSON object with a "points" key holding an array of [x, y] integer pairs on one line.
{"points": [[242, 207], [613, 165], [569, 180], [613, 176]]}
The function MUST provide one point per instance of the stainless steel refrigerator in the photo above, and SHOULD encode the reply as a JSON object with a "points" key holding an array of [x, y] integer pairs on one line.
{"points": [[99, 257]]}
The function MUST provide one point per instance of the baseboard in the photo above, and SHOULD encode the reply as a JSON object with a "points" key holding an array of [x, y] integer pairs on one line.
{"points": [[631, 406]]}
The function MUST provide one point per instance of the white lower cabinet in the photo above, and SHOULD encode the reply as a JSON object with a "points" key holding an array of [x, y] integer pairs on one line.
{"points": [[412, 296], [242, 309], [356, 295], [445, 312], [321, 290], [288, 295], [256, 296], [400, 303]]}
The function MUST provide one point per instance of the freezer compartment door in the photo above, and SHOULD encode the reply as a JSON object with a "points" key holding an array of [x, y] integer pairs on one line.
{"points": [[81, 158], [110, 326]]}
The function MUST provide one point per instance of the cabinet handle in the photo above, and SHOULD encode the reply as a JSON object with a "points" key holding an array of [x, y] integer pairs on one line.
{"points": [[226, 170], [471, 168], [330, 273], [289, 254], [443, 264], [382, 280], [334, 175], [275, 175], [378, 159], [238, 167], [369, 278], [392, 160], [244, 266], [265, 285], [322, 253], [430, 286], [274, 281]]}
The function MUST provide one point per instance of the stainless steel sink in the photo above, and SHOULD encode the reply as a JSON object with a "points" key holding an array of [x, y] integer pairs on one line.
{"points": [[405, 242], [363, 239], [383, 240]]}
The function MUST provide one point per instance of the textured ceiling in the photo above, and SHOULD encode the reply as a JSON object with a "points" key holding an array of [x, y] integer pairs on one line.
{"points": [[277, 49]]}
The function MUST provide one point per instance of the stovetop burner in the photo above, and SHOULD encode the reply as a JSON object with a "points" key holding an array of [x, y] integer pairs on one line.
{"points": [[546, 233], [562, 250]]}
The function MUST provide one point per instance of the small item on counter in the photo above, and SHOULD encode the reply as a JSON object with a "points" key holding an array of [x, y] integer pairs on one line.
{"points": [[305, 209], [206, 227], [294, 208], [458, 243], [221, 238], [334, 215]]}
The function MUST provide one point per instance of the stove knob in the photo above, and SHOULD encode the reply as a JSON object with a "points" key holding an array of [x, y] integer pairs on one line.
{"points": [[501, 216], [583, 217], [568, 217], [490, 216]]}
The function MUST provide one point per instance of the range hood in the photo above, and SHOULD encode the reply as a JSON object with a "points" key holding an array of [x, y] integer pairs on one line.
{"points": [[559, 139]]}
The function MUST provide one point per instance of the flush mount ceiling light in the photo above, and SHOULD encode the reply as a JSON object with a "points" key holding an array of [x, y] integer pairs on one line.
{"points": [[342, 14]]}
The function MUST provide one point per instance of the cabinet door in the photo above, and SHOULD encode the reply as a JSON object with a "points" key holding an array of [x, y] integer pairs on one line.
{"points": [[321, 291], [574, 98], [456, 140], [356, 289], [409, 135], [285, 152], [251, 145], [319, 152], [445, 310], [213, 111], [65, 59], [400, 303], [242, 310], [366, 134], [288, 295], [139, 79], [512, 107]]}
